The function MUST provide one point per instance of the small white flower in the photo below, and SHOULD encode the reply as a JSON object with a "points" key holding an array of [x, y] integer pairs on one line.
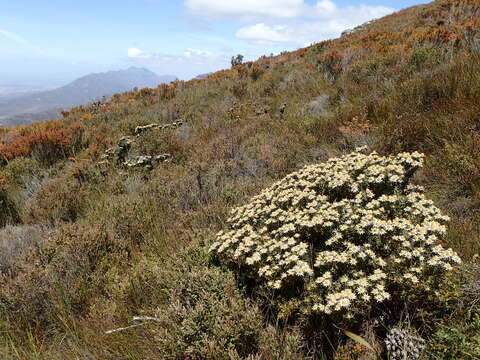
{"points": [[296, 222]]}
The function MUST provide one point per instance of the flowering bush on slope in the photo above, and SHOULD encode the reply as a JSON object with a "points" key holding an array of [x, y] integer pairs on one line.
{"points": [[350, 233]]}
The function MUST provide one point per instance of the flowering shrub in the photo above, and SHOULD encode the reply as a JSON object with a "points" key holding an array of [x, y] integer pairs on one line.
{"points": [[348, 233]]}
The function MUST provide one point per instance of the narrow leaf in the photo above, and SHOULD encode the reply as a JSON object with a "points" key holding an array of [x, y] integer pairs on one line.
{"points": [[358, 339]]}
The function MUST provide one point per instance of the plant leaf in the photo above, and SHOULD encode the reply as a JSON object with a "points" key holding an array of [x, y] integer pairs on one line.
{"points": [[358, 339]]}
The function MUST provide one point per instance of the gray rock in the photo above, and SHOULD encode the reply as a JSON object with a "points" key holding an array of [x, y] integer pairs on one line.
{"points": [[141, 129]]}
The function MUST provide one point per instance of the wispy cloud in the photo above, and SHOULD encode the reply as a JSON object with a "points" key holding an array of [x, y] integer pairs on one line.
{"points": [[189, 55], [188, 64], [263, 34], [14, 37], [245, 8], [137, 53]]}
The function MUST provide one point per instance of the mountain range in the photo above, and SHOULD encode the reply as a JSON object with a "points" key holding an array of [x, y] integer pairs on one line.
{"points": [[20, 109]]}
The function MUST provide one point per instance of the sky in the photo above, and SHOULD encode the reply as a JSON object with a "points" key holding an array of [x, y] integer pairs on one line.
{"points": [[52, 42]]}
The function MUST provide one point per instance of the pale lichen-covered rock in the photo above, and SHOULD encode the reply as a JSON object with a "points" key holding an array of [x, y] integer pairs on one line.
{"points": [[139, 161], [120, 152], [162, 157], [141, 129], [117, 153], [146, 161]]}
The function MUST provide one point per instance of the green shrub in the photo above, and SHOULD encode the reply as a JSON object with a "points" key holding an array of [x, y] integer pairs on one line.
{"points": [[8, 210], [424, 56], [236, 60], [201, 314], [339, 237], [457, 339]]}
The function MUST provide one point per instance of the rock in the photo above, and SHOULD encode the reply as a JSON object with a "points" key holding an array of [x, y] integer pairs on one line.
{"points": [[140, 161], [146, 161], [140, 129], [162, 157]]}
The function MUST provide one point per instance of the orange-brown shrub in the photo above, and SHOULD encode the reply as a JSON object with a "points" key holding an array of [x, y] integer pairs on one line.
{"points": [[331, 61], [152, 95], [47, 141]]}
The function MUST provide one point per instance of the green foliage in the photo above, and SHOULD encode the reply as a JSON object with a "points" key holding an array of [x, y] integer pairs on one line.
{"points": [[8, 211], [236, 60], [457, 339], [424, 56]]}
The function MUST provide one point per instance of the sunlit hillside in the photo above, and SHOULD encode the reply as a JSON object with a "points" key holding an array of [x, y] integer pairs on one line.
{"points": [[105, 219]]}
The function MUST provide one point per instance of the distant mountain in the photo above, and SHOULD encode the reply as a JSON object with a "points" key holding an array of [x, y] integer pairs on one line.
{"points": [[203, 76], [42, 105]]}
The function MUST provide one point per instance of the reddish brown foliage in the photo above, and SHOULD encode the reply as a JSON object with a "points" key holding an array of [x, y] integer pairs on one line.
{"points": [[49, 141], [331, 61]]}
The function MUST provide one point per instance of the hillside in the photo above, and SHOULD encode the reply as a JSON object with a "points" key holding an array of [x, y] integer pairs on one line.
{"points": [[108, 213], [22, 110]]}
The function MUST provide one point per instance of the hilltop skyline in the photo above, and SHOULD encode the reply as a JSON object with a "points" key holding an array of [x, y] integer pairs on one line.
{"points": [[53, 42]]}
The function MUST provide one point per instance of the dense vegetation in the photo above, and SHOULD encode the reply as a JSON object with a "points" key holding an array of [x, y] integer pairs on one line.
{"points": [[341, 238], [86, 245]]}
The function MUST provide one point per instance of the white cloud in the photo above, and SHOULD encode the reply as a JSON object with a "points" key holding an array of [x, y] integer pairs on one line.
{"points": [[324, 21], [325, 8], [188, 64], [137, 53], [192, 53], [246, 8], [264, 34], [271, 24], [276, 9], [14, 37]]}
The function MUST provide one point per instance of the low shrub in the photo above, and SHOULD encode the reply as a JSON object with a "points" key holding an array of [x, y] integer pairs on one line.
{"points": [[457, 338], [56, 200], [340, 237], [8, 211], [14, 239], [47, 142]]}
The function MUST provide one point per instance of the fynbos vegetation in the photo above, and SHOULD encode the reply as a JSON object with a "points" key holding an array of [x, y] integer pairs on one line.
{"points": [[343, 236], [326, 256]]}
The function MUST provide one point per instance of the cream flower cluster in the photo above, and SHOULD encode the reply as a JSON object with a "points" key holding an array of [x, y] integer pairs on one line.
{"points": [[346, 231]]}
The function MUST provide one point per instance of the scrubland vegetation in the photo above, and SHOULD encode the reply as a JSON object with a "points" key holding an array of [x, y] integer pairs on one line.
{"points": [[86, 247]]}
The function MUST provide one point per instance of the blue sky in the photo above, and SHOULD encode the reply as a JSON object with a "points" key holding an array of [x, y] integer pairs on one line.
{"points": [[51, 42]]}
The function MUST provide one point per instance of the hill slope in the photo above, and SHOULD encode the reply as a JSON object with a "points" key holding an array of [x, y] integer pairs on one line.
{"points": [[96, 232], [45, 104]]}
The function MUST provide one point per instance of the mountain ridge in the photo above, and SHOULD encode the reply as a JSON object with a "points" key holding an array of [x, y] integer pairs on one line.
{"points": [[23, 109]]}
